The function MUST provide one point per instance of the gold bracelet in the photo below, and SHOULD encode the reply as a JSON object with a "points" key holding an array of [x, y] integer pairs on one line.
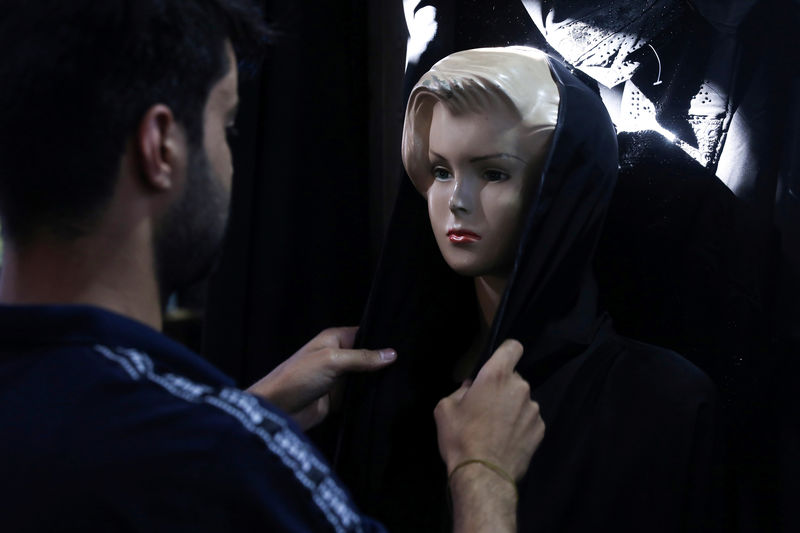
{"points": [[491, 466]]}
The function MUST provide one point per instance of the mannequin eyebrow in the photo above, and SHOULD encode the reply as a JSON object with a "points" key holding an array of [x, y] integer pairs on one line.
{"points": [[496, 156], [482, 157]]}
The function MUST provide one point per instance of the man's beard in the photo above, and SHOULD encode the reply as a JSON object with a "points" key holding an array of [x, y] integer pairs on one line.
{"points": [[188, 241]]}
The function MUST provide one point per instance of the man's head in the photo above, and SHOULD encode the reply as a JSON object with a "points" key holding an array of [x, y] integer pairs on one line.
{"points": [[189, 236], [84, 81]]}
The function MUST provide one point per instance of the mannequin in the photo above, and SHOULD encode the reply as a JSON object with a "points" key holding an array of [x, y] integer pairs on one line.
{"points": [[512, 162]]}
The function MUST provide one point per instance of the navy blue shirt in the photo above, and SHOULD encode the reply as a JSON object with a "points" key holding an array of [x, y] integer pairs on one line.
{"points": [[107, 424]]}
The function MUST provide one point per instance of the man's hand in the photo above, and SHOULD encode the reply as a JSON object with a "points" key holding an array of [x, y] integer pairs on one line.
{"points": [[492, 419], [301, 384]]}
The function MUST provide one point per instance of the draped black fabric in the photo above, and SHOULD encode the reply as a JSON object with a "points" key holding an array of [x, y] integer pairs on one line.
{"points": [[683, 263], [630, 427], [298, 253]]}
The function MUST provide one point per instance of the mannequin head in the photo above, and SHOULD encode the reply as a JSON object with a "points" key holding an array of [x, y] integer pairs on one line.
{"points": [[477, 131]]}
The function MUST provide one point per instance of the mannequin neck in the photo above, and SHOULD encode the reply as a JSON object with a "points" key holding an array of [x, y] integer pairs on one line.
{"points": [[489, 291]]}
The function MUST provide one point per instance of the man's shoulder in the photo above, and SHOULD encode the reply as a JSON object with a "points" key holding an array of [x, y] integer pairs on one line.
{"points": [[231, 445], [114, 424]]}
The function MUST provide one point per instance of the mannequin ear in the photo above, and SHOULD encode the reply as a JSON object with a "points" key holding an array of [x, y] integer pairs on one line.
{"points": [[160, 147]]}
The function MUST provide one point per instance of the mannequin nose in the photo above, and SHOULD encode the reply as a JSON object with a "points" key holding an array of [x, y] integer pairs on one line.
{"points": [[460, 199]]}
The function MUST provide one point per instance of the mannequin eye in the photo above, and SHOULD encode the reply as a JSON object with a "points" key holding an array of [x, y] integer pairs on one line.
{"points": [[495, 175], [231, 132], [440, 174]]}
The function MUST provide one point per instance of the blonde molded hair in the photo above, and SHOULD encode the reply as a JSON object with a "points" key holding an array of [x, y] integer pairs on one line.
{"points": [[515, 77]]}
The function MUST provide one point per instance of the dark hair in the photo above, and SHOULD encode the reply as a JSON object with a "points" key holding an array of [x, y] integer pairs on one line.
{"points": [[76, 78]]}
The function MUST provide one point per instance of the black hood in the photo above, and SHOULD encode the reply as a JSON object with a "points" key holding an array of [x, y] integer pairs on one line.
{"points": [[550, 300]]}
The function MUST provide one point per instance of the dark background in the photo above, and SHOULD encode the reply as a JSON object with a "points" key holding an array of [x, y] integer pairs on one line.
{"points": [[317, 165], [313, 180]]}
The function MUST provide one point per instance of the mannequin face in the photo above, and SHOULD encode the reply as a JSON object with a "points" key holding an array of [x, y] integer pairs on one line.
{"points": [[483, 174]]}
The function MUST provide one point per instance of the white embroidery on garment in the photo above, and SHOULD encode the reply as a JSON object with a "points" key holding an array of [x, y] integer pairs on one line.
{"points": [[271, 428]]}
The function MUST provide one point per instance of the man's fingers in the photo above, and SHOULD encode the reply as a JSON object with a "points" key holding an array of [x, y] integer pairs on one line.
{"points": [[504, 359], [334, 338], [361, 360], [462, 390], [345, 337], [312, 414]]}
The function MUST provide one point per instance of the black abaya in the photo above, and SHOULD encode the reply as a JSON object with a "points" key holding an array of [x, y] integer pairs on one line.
{"points": [[629, 444]]}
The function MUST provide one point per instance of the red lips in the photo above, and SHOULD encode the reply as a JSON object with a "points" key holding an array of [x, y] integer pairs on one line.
{"points": [[460, 236]]}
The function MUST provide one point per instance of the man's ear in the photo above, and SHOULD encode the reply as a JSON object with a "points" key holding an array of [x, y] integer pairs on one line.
{"points": [[161, 148]]}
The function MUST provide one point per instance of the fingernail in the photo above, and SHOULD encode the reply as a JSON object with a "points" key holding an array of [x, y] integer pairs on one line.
{"points": [[388, 355]]}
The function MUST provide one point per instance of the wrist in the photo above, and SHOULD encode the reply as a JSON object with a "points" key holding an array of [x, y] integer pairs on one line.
{"points": [[483, 472], [482, 499], [265, 389]]}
